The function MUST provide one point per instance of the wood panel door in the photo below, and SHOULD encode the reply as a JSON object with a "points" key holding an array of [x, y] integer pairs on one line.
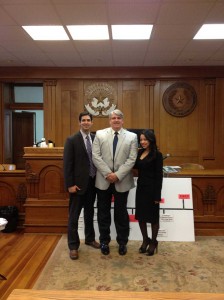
{"points": [[23, 134]]}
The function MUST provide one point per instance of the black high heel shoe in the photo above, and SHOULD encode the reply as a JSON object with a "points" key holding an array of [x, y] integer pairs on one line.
{"points": [[153, 247], [144, 245]]}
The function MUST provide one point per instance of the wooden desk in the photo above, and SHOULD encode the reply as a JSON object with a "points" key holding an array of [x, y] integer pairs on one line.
{"points": [[110, 295], [208, 199], [217, 173], [13, 191]]}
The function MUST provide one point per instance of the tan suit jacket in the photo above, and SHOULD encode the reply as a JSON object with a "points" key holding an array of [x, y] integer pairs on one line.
{"points": [[125, 156]]}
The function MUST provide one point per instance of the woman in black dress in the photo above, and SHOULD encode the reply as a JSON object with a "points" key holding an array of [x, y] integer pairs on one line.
{"points": [[149, 164]]}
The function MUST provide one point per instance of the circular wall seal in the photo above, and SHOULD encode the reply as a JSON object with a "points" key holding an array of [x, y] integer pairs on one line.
{"points": [[180, 99]]}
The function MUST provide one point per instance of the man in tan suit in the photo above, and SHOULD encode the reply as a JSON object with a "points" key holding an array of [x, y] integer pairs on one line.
{"points": [[114, 155]]}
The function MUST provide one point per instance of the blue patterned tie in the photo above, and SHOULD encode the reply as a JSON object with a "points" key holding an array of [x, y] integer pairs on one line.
{"points": [[92, 168]]}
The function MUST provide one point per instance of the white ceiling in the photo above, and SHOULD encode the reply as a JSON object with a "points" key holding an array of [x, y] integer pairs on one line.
{"points": [[171, 44]]}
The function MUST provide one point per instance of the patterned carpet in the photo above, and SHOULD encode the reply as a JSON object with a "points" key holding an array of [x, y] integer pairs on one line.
{"points": [[178, 267]]}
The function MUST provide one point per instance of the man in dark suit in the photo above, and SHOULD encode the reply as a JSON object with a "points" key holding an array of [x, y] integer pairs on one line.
{"points": [[79, 175], [114, 177]]}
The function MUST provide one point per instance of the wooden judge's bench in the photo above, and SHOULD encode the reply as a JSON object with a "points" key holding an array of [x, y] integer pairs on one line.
{"points": [[46, 206]]}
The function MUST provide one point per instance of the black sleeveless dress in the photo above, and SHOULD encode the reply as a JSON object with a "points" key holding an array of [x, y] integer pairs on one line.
{"points": [[149, 186]]}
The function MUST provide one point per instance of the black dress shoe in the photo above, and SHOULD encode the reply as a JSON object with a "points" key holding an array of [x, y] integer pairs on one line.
{"points": [[105, 250], [122, 249]]}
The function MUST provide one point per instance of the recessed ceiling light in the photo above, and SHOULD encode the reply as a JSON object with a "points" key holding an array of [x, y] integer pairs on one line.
{"points": [[89, 32], [131, 32], [44, 33], [210, 32]]}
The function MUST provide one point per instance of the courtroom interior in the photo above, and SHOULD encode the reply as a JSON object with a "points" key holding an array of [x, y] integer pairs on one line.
{"points": [[168, 82]]}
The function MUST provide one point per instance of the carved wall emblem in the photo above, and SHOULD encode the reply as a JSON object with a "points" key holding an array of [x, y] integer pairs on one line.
{"points": [[180, 99], [100, 99]]}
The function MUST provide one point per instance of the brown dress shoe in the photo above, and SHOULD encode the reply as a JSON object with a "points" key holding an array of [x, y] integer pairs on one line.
{"points": [[93, 244], [74, 254]]}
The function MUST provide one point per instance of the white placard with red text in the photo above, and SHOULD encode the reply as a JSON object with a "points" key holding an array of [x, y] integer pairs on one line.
{"points": [[176, 213]]}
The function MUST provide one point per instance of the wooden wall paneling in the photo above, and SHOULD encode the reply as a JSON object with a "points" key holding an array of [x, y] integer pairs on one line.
{"points": [[145, 96], [139, 97], [67, 106], [162, 141], [6, 120], [153, 99], [120, 94], [61, 116], [54, 118], [50, 110], [219, 123], [132, 105], [1, 123], [170, 134], [7, 150], [220, 112], [71, 106], [207, 118], [79, 105], [179, 135], [34, 74], [138, 104], [76, 108], [66, 118], [152, 107], [59, 109], [100, 123], [155, 109]]}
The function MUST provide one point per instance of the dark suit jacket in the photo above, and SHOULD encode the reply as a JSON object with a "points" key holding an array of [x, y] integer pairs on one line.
{"points": [[76, 162]]}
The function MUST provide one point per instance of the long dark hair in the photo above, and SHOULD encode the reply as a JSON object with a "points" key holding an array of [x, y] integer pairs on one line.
{"points": [[150, 136]]}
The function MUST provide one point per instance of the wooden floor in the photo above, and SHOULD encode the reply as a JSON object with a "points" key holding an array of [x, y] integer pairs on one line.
{"points": [[22, 258]]}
